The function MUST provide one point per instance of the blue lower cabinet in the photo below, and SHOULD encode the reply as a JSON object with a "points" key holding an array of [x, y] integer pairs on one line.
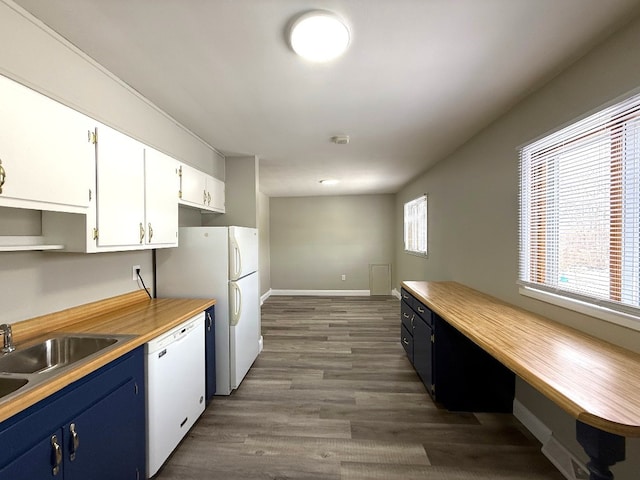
{"points": [[210, 351], [100, 433]]}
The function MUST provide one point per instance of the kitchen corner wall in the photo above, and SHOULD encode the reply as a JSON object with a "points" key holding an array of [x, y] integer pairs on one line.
{"points": [[241, 194], [265, 243], [35, 283], [314, 240], [473, 208]]}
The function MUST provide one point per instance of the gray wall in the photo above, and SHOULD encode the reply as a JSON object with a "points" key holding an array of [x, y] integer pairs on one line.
{"points": [[314, 240], [265, 243], [35, 283], [473, 202], [241, 194]]}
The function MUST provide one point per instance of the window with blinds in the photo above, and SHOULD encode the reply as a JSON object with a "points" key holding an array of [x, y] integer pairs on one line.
{"points": [[580, 210], [415, 226]]}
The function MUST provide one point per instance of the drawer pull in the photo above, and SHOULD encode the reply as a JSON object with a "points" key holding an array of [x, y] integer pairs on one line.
{"points": [[405, 315], [420, 310], [405, 341], [75, 441], [56, 455]]}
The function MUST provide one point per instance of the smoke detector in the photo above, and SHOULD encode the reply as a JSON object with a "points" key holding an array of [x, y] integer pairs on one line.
{"points": [[340, 139]]}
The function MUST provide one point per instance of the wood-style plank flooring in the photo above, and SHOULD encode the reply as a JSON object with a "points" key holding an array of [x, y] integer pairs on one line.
{"points": [[333, 396]]}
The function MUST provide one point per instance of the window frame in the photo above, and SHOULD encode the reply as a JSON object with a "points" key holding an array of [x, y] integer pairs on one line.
{"points": [[612, 309], [422, 199]]}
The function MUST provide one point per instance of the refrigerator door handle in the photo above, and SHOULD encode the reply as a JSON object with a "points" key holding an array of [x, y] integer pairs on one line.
{"points": [[236, 260], [236, 304]]}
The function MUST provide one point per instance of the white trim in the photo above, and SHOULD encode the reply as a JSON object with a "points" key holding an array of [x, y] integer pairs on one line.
{"points": [[531, 422], [264, 297], [596, 311], [396, 294], [323, 293]]}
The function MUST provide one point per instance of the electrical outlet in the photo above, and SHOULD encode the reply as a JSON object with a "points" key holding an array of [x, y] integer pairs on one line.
{"points": [[344, 277], [134, 272]]}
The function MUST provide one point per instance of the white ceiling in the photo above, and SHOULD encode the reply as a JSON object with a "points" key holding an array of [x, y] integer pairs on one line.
{"points": [[419, 79]]}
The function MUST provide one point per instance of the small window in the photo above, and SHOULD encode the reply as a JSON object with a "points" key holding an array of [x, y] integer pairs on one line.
{"points": [[580, 211], [415, 226]]}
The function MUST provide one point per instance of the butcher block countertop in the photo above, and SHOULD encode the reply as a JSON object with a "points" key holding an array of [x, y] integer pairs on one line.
{"points": [[130, 314], [595, 381]]}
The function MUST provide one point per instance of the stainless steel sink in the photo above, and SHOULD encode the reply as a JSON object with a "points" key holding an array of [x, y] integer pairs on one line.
{"points": [[53, 353], [9, 385], [35, 362]]}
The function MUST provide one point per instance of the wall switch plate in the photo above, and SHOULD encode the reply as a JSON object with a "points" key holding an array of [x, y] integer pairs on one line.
{"points": [[134, 274], [344, 277]]}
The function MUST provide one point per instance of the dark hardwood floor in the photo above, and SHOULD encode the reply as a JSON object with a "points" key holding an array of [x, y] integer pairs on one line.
{"points": [[333, 396]]}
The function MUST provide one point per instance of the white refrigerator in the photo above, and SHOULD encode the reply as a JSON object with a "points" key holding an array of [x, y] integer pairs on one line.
{"points": [[220, 263]]}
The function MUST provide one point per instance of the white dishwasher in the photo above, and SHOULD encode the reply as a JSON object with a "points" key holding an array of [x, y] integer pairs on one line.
{"points": [[175, 388]]}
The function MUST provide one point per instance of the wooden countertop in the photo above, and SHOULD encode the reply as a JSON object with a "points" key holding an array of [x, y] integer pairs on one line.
{"points": [[132, 314], [595, 381]]}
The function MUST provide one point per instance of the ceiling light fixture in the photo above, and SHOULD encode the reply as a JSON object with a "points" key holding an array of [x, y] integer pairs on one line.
{"points": [[329, 181], [319, 36]]}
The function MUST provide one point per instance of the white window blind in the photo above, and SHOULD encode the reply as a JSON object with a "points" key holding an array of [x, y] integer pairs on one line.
{"points": [[579, 210], [415, 225]]}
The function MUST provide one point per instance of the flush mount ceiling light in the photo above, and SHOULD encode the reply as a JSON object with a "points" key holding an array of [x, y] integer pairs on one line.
{"points": [[329, 181], [319, 36]]}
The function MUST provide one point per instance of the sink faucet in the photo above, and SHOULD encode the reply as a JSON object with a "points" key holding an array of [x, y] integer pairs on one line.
{"points": [[8, 338]]}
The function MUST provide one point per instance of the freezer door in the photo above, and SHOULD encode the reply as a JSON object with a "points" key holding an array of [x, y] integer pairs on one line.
{"points": [[244, 326], [243, 252]]}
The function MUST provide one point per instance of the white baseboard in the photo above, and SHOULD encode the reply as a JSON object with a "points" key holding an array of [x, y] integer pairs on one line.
{"points": [[557, 454], [264, 297], [323, 293], [396, 294], [531, 422]]}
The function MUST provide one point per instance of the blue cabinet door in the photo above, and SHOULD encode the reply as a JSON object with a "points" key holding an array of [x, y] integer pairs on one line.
{"points": [[38, 462], [210, 352], [106, 441], [423, 352]]}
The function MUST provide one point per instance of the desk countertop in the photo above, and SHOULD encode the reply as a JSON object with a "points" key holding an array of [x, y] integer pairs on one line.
{"points": [[595, 381]]}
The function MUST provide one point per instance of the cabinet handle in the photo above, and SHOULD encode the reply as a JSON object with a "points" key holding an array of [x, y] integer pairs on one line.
{"points": [[208, 199], [3, 176], [204, 197], [405, 315], [75, 442], [210, 322], [420, 310], [141, 233], [56, 455], [405, 341], [412, 325], [150, 232]]}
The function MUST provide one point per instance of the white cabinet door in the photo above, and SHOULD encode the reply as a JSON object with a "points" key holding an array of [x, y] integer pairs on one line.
{"points": [[215, 194], [161, 198], [193, 186], [120, 189], [200, 190], [45, 153]]}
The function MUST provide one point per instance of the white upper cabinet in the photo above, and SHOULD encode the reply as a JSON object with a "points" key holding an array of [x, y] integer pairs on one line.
{"points": [[215, 195], [119, 189], [197, 189], [161, 185], [193, 186], [45, 153], [135, 204]]}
